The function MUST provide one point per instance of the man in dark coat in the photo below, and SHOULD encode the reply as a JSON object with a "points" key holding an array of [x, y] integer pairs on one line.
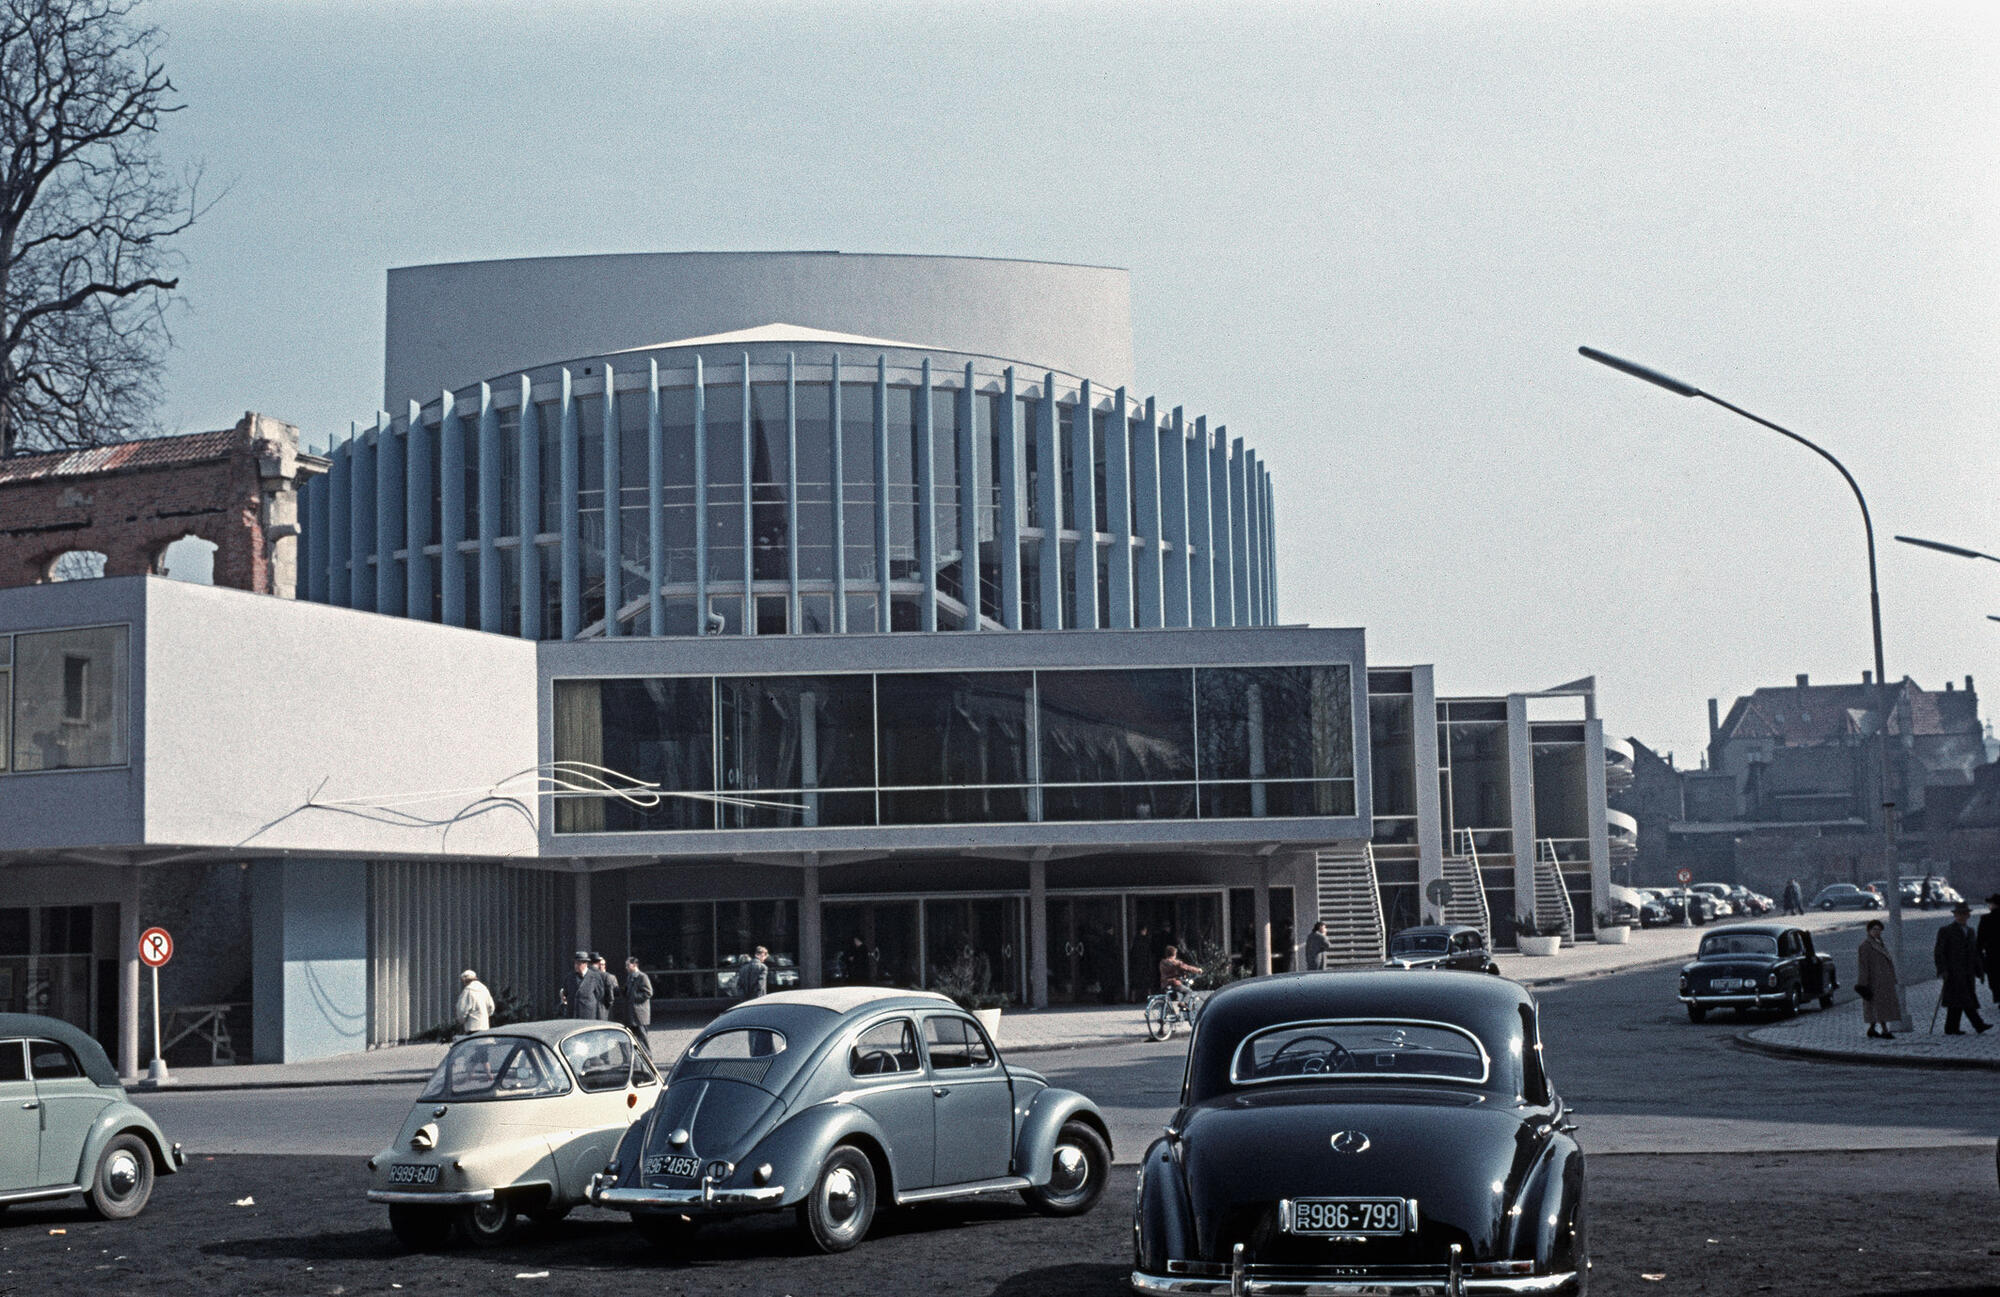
{"points": [[573, 987], [1957, 958], [1317, 947], [1794, 897], [1989, 944], [607, 989], [638, 1002]]}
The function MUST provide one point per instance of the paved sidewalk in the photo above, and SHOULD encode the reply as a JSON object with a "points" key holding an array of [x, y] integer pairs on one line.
{"points": [[1840, 1034], [1021, 1030]]}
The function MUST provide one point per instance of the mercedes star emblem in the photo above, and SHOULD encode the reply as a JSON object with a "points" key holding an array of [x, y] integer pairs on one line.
{"points": [[1350, 1141]]}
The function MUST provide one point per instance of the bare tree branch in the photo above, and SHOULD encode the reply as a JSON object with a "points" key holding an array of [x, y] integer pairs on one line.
{"points": [[88, 213]]}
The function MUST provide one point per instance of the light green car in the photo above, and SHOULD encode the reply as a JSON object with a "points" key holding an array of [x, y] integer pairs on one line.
{"points": [[514, 1122], [66, 1126]]}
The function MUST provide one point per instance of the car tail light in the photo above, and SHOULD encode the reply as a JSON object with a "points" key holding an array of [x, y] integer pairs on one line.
{"points": [[1489, 1268]]}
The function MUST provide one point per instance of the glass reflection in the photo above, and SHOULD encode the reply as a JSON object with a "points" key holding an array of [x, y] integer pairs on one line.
{"points": [[961, 734]]}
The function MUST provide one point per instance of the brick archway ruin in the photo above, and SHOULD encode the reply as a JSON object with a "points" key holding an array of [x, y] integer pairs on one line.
{"points": [[235, 489]]}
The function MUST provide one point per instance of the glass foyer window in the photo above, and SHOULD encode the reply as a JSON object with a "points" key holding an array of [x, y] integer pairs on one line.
{"points": [[975, 747]]}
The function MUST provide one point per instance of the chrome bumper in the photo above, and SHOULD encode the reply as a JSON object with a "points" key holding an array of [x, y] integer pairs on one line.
{"points": [[706, 1198], [1555, 1285], [1735, 1001], [421, 1198]]}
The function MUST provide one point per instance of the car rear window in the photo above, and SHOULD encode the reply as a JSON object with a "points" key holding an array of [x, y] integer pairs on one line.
{"points": [[1365, 1050], [1716, 944], [497, 1067], [51, 1061]]}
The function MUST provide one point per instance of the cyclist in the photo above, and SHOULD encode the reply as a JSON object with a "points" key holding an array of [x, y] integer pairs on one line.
{"points": [[1172, 974]]}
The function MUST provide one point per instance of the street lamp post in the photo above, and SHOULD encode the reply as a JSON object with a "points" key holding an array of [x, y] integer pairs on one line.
{"points": [[1894, 899]]}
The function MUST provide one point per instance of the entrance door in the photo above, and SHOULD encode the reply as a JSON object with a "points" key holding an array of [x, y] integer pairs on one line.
{"points": [[871, 943], [1086, 963]]}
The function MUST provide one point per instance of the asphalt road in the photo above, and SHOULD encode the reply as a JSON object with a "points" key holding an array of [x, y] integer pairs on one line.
{"points": [[1718, 1168]]}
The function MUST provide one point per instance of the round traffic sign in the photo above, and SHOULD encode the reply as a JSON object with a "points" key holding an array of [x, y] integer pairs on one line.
{"points": [[156, 947], [1685, 875], [1439, 892]]}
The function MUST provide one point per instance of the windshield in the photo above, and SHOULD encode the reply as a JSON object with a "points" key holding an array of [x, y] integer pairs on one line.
{"points": [[1418, 943], [1360, 1050], [1737, 943], [497, 1067]]}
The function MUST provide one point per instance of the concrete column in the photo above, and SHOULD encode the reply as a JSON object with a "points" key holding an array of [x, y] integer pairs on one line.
{"points": [[580, 900], [1083, 489], [1174, 527], [1038, 933], [531, 513], [309, 958], [1222, 579], [812, 940], [340, 470], [793, 617], [1521, 801], [1048, 502], [838, 491], [971, 496], [614, 514], [700, 501], [927, 501], [361, 517], [571, 473], [1008, 533], [882, 490], [1118, 502], [1239, 533], [491, 596], [1253, 526], [1600, 833], [749, 609], [1260, 916], [1149, 572], [129, 926], [388, 516], [1201, 533], [1430, 814], [418, 473], [451, 512]]}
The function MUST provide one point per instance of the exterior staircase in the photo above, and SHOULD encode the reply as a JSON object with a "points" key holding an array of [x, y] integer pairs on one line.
{"points": [[1552, 907], [1350, 905], [1467, 905]]}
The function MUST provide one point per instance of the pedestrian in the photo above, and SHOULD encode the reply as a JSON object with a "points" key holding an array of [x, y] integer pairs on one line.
{"points": [[858, 965], [1875, 983], [475, 1003], [572, 994], [638, 1002], [753, 975], [1317, 948], [607, 990], [1956, 955], [1794, 897], [1989, 945]]}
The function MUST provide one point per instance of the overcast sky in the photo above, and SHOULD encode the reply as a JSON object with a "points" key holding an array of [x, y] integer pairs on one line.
{"points": [[1367, 237]]}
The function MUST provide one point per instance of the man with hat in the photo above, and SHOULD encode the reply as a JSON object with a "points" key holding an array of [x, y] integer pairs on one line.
{"points": [[1989, 944], [1956, 955], [573, 986], [475, 1003], [607, 989]]}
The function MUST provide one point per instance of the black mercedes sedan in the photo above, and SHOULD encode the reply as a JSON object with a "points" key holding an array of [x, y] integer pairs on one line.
{"points": [[1441, 945], [1757, 966], [1370, 1131]]}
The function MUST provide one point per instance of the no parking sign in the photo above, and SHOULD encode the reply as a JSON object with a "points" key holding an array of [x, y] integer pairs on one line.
{"points": [[156, 947]]}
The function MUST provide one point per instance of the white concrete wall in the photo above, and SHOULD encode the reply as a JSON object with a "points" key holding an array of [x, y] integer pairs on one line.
{"points": [[300, 701], [449, 325]]}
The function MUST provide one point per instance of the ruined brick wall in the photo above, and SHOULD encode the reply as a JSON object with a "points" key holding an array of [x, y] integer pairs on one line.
{"points": [[236, 489]]}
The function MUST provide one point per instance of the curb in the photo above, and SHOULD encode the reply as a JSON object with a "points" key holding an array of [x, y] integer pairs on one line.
{"points": [[1820, 1054], [1589, 975]]}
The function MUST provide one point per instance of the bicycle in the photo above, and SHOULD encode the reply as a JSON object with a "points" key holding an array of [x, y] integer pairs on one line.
{"points": [[1165, 1011]]}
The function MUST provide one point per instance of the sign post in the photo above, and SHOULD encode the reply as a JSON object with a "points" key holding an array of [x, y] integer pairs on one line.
{"points": [[1684, 876], [156, 947]]}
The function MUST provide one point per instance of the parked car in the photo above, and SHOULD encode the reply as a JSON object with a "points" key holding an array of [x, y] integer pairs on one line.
{"points": [[833, 1102], [1441, 945], [1846, 896], [1757, 966], [1364, 1131], [1720, 893], [1653, 911], [1749, 902], [1939, 893], [515, 1121], [1627, 906], [1681, 902], [66, 1125]]}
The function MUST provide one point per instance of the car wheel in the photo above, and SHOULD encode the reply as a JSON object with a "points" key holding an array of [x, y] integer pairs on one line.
{"points": [[420, 1229], [1159, 1022], [123, 1180], [484, 1224], [1076, 1175], [838, 1212], [1826, 905], [666, 1229], [1790, 1007], [1696, 1013], [1826, 1001]]}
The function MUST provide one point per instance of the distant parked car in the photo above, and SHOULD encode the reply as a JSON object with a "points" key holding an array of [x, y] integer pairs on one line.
{"points": [[1846, 896], [1757, 966], [836, 1102], [1627, 906], [66, 1126], [1939, 893], [1441, 946], [1679, 903], [1722, 895], [1653, 911], [515, 1120], [1749, 902]]}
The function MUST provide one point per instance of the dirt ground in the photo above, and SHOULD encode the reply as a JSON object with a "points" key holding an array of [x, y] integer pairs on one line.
{"points": [[1909, 1223]]}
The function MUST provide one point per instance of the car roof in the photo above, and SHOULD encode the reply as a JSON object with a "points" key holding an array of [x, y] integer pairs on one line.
{"points": [[96, 1063], [846, 999], [552, 1031], [1762, 929], [1428, 928]]}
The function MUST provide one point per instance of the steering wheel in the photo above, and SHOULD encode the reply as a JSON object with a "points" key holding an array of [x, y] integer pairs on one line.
{"points": [[1334, 1058]]}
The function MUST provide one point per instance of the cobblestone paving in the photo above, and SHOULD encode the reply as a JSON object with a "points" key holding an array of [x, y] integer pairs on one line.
{"points": [[1840, 1033]]}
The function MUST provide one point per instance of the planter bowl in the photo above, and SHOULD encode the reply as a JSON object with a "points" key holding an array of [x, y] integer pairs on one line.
{"points": [[1539, 946], [989, 1019], [1614, 935]]}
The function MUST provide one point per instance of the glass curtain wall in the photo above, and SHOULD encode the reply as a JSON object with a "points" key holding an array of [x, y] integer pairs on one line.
{"points": [[960, 747]]}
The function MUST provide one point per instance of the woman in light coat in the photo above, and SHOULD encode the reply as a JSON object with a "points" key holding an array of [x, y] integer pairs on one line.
{"points": [[1881, 1000]]}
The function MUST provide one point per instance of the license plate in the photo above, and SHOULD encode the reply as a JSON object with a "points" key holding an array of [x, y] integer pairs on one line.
{"points": [[660, 1164], [1345, 1216], [413, 1173], [1729, 984]]}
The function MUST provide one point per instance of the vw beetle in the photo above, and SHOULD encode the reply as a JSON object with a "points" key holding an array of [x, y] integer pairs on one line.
{"points": [[514, 1121], [66, 1126], [1370, 1131], [833, 1102]]}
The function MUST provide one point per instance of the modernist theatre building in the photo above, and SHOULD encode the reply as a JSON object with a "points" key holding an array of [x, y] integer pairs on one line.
{"points": [[856, 607]]}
